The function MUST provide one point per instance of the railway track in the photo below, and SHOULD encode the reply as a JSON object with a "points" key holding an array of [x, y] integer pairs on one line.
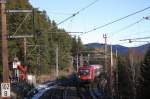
{"points": [[70, 93], [61, 92], [82, 93], [97, 88], [69, 89]]}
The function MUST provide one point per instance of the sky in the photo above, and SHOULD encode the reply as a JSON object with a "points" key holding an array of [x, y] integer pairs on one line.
{"points": [[100, 13]]}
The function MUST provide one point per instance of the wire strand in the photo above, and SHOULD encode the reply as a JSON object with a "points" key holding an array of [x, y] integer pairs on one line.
{"points": [[109, 23], [21, 24], [128, 26], [76, 13]]}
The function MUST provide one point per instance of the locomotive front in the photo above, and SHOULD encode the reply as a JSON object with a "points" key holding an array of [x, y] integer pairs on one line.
{"points": [[89, 73]]}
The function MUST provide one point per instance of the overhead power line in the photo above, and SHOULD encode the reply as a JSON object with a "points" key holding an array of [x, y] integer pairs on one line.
{"points": [[141, 41], [69, 32], [76, 13], [136, 38], [147, 18], [109, 23], [21, 24], [128, 26]]}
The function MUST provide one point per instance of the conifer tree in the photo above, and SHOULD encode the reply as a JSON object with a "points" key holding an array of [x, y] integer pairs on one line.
{"points": [[144, 80], [41, 52]]}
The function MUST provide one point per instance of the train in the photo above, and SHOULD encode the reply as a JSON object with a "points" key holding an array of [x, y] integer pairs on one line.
{"points": [[88, 73]]}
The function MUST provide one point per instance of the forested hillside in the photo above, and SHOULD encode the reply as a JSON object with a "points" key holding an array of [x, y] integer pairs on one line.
{"points": [[41, 48]]}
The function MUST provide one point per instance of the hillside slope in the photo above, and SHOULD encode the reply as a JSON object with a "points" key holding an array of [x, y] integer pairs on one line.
{"points": [[121, 49]]}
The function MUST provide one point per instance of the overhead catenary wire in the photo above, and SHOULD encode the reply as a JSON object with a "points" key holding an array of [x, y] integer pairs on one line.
{"points": [[141, 41], [61, 13], [120, 43], [128, 26], [109, 23], [136, 38], [141, 32], [76, 13], [21, 24], [68, 32]]}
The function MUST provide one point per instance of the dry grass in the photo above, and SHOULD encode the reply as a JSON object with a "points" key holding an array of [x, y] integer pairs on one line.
{"points": [[52, 75]]}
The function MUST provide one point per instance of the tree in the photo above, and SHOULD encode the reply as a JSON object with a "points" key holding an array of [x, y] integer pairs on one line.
{"points": [[76, 50], [144, 80], [124, 79], [41, 52]]}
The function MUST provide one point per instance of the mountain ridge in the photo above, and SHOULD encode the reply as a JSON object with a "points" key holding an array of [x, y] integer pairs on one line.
{"points": [[120, 49]]}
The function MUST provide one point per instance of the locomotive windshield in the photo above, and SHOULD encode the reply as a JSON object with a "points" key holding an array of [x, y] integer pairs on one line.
{"points": [[83, 71]]}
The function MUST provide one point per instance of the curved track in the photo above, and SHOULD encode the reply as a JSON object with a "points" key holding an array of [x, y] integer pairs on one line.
{"points": [[71, 89]]}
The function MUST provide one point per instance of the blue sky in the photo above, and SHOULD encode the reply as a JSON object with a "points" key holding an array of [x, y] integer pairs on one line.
{"points": [[100, 13]]}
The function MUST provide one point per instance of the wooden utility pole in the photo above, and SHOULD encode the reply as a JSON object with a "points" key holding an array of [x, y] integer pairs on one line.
{"points": [[57, 70], [108, 68], [116, 84], [77, 61], [112, 63], [4, 41], [105, 37], [77, 54], [81, 60], [25, 49], [5, 94], [111, 71]]}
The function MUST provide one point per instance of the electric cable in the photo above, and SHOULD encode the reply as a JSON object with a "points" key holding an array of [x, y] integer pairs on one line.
{"points": [[128, 26], [148, 37], [76, 13], [109, 23], [21, 24]]}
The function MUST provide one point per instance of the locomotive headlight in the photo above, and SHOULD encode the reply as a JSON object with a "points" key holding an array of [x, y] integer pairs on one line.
{"points": [[89, 77]]}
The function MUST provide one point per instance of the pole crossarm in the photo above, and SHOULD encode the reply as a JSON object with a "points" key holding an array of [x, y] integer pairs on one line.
{"points": [[140, 41], [21, 36], [91, 51], [3, 1], [135, 39], [147, 18], [19, 11], [34, 45]]}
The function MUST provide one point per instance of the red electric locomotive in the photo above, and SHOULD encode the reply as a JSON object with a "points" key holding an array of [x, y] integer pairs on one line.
{"points": [[89, 73]]}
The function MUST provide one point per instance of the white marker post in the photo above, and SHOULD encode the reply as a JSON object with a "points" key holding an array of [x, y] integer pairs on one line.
{"points": [[5, 90], [16, 63]]}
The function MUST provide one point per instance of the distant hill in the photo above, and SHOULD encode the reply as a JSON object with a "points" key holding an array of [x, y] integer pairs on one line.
{"points": [[94, 45], [121, 49], [142, 49]]}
